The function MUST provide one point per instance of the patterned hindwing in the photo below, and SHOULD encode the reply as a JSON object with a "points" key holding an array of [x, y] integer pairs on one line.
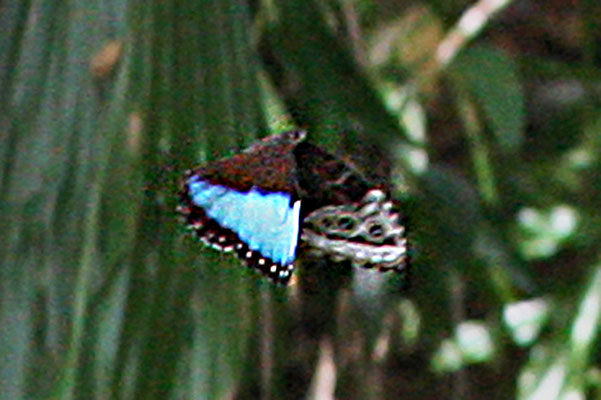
{"points": [[367, 233]]}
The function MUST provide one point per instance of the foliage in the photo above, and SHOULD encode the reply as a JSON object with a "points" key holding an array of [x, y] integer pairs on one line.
{"points": [[484, 114]]}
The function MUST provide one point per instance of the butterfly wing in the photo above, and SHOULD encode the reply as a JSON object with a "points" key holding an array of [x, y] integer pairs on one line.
{"points": [[268, 222], [248, 204], [367, 233], [346, 217]]}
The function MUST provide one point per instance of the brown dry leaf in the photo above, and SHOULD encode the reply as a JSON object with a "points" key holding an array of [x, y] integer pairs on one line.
{"points": [[104, 61]]}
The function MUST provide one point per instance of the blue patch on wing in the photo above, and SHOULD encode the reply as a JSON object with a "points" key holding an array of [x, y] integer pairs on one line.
{"points": [[266, 222]]}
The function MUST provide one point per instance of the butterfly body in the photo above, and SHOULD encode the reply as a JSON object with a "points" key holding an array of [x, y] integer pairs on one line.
{"points": [[255, 202]]}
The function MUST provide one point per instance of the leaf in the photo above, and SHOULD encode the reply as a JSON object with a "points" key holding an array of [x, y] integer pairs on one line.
{"points": [[492, 78], [99, 295]]}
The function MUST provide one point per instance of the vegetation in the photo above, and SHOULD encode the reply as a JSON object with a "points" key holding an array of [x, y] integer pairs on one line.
{"points": [[486, 112]]}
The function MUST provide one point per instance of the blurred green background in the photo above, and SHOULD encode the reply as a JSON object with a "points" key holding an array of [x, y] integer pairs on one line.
{"points": [[488, 115]]}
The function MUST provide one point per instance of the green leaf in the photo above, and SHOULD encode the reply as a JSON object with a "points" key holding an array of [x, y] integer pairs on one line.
{"points": [[103, 105], [492, 78]]}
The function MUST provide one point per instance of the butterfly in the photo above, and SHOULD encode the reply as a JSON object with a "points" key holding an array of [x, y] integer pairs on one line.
{"points": [[261, 203]]}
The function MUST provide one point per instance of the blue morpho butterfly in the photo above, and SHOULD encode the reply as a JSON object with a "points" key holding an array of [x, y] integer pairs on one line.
{"points": [[259, 203]]}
